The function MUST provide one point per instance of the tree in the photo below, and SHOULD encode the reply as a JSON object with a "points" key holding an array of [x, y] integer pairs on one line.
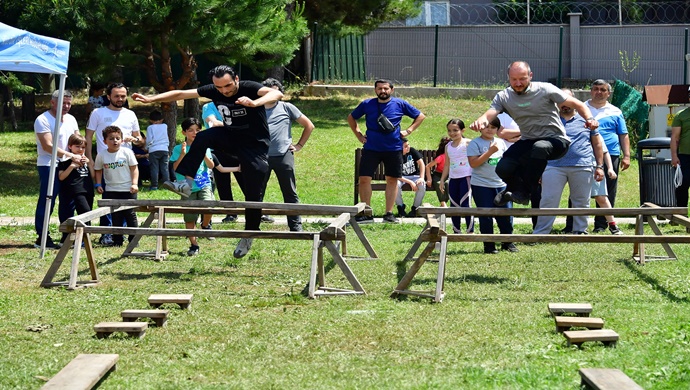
{"points": [[358, 16], [146, 33], [9, 83]]}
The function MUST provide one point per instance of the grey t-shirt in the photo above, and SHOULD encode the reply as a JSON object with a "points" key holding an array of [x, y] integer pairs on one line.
{"points": [[535, 111], [280, 119], [485, 174]]}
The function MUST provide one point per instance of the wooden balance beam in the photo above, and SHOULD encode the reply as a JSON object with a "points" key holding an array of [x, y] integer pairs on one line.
{"points": [[434, 232], [83, 372], [80, 231]]}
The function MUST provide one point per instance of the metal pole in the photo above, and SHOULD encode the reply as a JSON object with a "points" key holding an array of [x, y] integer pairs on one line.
{"points": [[53, 167], [685, 62], [435, 54], [313, 51], [620, 13], [560, 58], [528, 12]]}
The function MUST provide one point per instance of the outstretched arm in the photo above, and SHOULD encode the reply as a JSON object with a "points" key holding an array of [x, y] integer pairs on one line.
{"points": [[169, 96], [484, 120]]}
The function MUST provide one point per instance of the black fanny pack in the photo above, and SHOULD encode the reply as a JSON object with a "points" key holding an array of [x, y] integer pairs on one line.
{"points": [[385, 125]]}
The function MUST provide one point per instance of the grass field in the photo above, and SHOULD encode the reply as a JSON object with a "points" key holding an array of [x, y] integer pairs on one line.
{"points": [[251, 325]]}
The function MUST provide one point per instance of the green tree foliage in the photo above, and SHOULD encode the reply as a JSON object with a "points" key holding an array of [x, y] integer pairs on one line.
{"points": [[147, 33], [358, 16]]}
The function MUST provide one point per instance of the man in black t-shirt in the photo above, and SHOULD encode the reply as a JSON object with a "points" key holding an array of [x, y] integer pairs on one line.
{"points": [[412, 169], [241, 132]]}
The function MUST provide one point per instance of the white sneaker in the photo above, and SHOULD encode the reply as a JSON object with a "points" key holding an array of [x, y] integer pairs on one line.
{"points": [[178, 187], [243, 247]]}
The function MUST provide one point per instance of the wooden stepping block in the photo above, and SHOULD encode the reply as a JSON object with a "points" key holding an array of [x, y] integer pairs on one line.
{"points": [[579, 309], [184, 300], [607, 379], [577, 337], [564, 323], [83, 372], [133, 329], [159, 316]]}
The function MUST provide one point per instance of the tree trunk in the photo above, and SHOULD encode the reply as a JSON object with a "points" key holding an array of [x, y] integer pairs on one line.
{"points": [[28, 107], [169, 111], [10, 101], [191, 106]]}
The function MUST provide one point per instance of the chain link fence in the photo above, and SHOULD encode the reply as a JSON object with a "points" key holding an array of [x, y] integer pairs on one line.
{"points": [[537, 12]]}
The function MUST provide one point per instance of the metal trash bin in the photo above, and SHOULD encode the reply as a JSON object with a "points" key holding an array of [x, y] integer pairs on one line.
{"points": [[656, 172]]}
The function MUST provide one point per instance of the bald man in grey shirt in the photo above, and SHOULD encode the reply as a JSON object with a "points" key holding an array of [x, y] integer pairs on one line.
{"points": [[534, 107]]}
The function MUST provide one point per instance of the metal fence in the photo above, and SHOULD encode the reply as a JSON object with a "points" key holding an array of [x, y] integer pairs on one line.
{"points": [[479, 55], [536, 12]]}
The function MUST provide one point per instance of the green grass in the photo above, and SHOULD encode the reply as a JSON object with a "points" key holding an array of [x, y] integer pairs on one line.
{"points": [[251, 325]]}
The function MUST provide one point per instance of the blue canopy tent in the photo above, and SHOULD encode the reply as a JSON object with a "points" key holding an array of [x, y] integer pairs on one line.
{"points": [[22, 51]]}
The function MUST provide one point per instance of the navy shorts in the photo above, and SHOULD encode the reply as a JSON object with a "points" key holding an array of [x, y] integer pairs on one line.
{"points": [[392, 163]]}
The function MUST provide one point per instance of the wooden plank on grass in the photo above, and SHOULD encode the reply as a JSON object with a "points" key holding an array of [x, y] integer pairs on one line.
{"points": [[607, 379], [83, 372]]}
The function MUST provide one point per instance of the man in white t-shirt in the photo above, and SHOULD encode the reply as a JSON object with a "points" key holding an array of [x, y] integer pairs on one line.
{"points": [[115, 114], [43, 128]]}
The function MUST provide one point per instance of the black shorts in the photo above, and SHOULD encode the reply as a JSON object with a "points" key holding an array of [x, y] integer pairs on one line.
{"points": [[392, 163]]}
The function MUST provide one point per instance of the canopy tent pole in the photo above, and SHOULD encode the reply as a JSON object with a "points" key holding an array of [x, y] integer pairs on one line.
{"points": [[53, 166]]}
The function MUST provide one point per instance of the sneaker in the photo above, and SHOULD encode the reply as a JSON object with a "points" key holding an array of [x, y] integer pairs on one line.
{"points": [[178, 187], [229, 218], [193, 250], [297, 228], [153, 188], [412, 213], [389, 218], [510, 247], [361, 218], [401, 211], [49, 244], [490, 248], [267, 219], [579, 233], [517, 197], [208, 228], [243, 247], [106, 240], [613, 228], [501, 199], [599, 230]]}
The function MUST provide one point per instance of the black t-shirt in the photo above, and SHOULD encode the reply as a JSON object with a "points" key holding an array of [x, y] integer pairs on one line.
{"points": [[245, 122], [409, 166], [78, 182]]}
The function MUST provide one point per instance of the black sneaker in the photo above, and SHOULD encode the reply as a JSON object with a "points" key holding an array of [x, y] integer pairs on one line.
{"points": [[490, 248], [613, 228], [229, 218], [412, 213], [599, 230], [361, 218], [389, 218], [208, 228], [267, 219], [518, 197], [193, 250], [501, 199], [49, 244], [510, 247], [401, 211], [106, 240]]}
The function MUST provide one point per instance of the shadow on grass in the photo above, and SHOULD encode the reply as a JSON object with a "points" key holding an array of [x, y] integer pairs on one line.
{"points": [[653, 282], [169, 275]]}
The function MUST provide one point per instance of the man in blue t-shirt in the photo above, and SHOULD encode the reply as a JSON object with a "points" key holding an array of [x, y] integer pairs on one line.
{"points": [[382, 142], [244, 134]]}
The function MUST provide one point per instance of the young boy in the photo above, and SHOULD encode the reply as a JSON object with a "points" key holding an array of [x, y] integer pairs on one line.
{"points": [[201, 190], [117, 167], [157, 144]]}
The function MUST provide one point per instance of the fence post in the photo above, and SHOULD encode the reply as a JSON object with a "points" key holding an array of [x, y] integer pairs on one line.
{"points": [[435, 54], [685, 59], [559, 82], [313, 51]]}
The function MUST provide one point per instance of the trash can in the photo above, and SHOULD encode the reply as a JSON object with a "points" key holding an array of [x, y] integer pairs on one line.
{"points": [[656, 172]]}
